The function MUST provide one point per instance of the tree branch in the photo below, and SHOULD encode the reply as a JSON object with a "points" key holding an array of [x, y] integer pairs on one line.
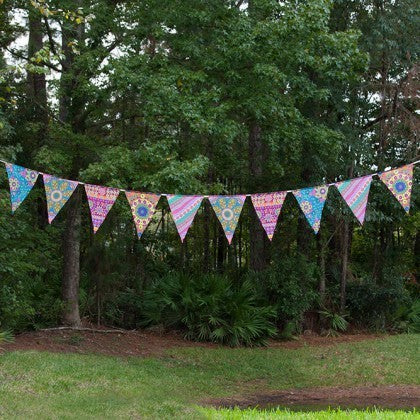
{"points": [[22, 57]]}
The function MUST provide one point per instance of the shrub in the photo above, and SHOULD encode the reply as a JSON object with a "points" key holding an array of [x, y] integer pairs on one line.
{"points": [[374, 304], [290, 287], [335, 322], [6, 336], [407, 318], [209, 308]]}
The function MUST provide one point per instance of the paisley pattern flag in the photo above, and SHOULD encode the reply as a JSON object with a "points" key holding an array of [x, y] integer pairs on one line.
{"points": [[100, 200], [355, 192], [311, 200], [268, 207], [183, 209], [21, 181], [143, 206], [58, 191], [228, 210], [400, 182]]}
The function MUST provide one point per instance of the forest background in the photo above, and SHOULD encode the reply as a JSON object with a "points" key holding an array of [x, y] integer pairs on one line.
{"points": [[217, 97]]}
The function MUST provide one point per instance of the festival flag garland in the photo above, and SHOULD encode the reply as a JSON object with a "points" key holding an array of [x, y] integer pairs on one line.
{"points": [[355, 193], [57, 191], [400, 182], [268, 207], [21, 181], [312, 200], [100, 199], [183, 209], [228, 209], [143, 206]]}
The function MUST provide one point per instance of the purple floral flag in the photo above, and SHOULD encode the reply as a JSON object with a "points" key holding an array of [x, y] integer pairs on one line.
{"points": [[21, 181], [183, 209], [355, 192], [57, 191], [268, 207], [312, 200], [228, 210], [100, 199], [400, 183]]}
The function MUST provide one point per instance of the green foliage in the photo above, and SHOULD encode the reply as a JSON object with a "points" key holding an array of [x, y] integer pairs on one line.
{"points": [[336, 322], [165, 97], [209, 308], [289, 286], [407, 318], [374, 305], [6, 336]]}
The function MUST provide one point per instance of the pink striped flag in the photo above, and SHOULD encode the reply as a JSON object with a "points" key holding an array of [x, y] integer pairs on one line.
{"points": [[100, 200], [355, 193], [183, 209]]}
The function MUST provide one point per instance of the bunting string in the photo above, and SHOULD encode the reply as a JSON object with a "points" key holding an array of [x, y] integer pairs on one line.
{"points": [[228, 208]]}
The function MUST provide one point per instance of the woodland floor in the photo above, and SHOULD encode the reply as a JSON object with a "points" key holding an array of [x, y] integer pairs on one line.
{"points": [[162, 371], [146, 343]]}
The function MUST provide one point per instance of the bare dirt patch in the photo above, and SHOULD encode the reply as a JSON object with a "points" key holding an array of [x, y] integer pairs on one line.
{"points": [[127, 343], [143, 342], [392, 397]]}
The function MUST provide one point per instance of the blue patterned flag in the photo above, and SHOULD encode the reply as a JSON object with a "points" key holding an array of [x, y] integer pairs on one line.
{"points": [[312, 200], [228, 209], [57, 191], [21, 181]]}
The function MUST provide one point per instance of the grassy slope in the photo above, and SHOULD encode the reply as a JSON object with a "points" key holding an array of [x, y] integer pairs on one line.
{"points": [[46, 385]]}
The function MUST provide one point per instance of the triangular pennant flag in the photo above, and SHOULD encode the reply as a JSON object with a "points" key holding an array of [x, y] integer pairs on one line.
{"points": [[183, 209], [355, 193], [228, 210], [21, 181], [311, 200], [268, 207], [100, 200], [143, 206], [57, 191], [400, 182]]}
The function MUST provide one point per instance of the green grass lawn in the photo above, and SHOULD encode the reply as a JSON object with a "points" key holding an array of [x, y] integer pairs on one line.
{"points": [[237, 414], [45, 385]]}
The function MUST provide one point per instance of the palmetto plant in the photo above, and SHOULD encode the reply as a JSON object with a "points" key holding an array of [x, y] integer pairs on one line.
{"points": [[407, 318], [6, 337], [336, 321], [209, 308]]}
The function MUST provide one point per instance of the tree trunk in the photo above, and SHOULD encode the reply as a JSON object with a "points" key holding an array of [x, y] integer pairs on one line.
{"points": [[256, 155], [344, 264], [68, 113], [71, 269], [36, 94], [36, 83], [221, 239], [416, 255], [321, 263], [206, 237]]}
